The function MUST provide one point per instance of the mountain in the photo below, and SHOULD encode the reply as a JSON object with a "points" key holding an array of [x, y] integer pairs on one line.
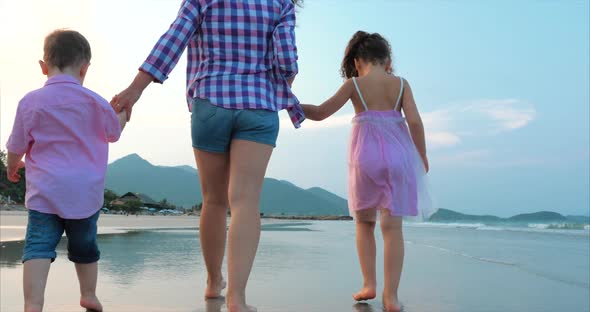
{"points": [[180, 186], [541, 216], [446, 215], [134, 174], [331, 197], [186, 168]]}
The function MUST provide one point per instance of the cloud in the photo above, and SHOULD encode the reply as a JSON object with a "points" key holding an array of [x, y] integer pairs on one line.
{"points": [[435, 139], [450, 126], [509, 114]]}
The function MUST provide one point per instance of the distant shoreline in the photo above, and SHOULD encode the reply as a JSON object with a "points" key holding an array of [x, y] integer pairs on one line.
{"points": [[321, 218], [21, 208]]}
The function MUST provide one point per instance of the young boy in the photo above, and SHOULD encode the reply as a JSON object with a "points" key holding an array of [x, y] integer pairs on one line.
{"points": [[64, 130]]}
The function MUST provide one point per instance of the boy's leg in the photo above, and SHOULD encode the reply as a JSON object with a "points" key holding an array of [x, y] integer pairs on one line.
{"points": [[83, 251], [35, 273], [214, 176], [248, 163], [43, 234], [393, 241], [365, 245], [87, 276]]}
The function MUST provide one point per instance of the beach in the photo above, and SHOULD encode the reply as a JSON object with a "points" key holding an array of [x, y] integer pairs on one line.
{"points": [[153, 263]]}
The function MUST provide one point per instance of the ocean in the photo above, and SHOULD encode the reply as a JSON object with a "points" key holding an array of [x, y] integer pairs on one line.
{"points": [[312, 266]]}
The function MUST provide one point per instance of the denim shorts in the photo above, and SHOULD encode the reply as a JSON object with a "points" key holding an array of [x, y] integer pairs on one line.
{"points": [[213, 128], [44, 231]]}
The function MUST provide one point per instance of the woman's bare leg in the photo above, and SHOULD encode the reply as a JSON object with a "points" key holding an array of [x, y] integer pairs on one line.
{"points": [[248, 162], [214, 176]]}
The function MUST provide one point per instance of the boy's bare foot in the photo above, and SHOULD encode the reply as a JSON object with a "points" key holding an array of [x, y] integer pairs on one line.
{"points": [[366, 293], [214, 288], [391, 303], [232, 307], [91, 303]]}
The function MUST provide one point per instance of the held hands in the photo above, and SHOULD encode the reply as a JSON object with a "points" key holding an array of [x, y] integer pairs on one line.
{"points": [[12, 171], [125, 100]]}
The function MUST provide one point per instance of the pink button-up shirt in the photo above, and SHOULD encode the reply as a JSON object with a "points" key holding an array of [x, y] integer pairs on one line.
{"points": [[64, 129]]}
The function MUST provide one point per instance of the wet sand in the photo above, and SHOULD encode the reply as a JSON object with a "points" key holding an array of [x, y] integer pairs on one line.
{"points": [[312, 267]]}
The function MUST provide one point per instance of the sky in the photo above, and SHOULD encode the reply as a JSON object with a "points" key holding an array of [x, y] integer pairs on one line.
{"points": [[502, 87]]}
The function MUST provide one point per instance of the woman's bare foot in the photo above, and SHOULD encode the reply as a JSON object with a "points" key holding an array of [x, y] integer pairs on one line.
{"points": [[33, 308], [231, 307], [391, 303], [214, 288], [366, 293], [91, 303]]}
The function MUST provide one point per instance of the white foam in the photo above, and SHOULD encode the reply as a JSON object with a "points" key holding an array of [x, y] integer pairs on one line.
{"points": [[559, 228]]}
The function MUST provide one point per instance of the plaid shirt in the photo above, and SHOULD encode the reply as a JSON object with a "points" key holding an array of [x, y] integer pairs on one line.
{"points": [[240, 53]]}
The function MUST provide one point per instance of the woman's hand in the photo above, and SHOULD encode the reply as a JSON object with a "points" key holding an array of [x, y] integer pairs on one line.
{"points": [[125, 100]]}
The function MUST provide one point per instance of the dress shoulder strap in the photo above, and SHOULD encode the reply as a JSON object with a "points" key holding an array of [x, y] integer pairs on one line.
{"points": [[359, 93], [401, 92]]}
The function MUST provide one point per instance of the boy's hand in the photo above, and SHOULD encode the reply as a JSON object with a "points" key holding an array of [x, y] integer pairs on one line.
{"points": [[125, 100], [122, 119], [12, 171]]}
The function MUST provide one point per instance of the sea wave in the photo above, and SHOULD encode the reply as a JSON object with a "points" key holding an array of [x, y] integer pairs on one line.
{"points": [[557, 228], [466, 255]]}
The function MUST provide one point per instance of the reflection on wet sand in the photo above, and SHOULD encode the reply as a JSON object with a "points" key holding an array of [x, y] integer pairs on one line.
{"points": [[11, 253]]}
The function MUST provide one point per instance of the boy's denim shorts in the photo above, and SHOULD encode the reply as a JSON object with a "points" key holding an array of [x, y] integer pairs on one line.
{"points": [[213, 128], [44, 231]]}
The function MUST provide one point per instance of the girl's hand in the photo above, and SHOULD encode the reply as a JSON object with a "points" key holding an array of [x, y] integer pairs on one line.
{"points": [[425, 161], [12, 172]]}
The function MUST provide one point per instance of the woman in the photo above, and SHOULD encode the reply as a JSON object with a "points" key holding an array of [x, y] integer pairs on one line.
{"points": [[242, 60]]}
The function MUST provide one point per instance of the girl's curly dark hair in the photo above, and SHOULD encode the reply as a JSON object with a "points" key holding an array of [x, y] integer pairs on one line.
{"points": [[371, 48]]}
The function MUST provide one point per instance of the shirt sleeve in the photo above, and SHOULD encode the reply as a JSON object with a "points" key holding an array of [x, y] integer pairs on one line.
{"points": [[20, 138], [284, 42], [171, 45]]}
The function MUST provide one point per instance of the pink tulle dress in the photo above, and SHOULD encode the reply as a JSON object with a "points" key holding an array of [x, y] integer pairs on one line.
{"points": [[385, 169]]}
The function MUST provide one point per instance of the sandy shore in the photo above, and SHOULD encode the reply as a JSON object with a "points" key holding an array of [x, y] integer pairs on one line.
{"points": [[13, 224]]}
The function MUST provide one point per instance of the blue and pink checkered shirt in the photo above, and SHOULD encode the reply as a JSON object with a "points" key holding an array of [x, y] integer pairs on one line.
{"points": [[240, 53]]}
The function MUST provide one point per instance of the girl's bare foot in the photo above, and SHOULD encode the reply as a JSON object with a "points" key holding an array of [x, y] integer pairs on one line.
{"points": [[391, 303], [214, 288], [91, 303], [232, 307], [366, 293]]}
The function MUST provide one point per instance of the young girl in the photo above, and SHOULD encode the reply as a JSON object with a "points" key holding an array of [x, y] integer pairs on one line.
{"points": [[386, 164]]}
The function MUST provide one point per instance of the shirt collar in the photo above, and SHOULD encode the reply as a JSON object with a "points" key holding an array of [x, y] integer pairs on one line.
{"points": [[63, 78]]}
